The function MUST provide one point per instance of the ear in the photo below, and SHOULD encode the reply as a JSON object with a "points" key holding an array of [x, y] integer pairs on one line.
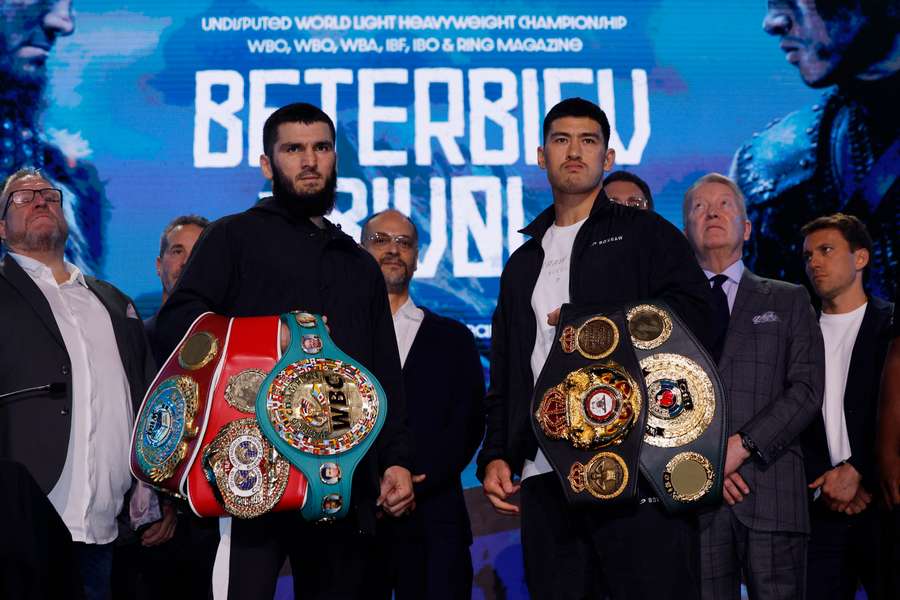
{"points": [[861, 259], [265, 166], [542, 163], [609, 160], [3, 230], [748, 227], [158, 267]]}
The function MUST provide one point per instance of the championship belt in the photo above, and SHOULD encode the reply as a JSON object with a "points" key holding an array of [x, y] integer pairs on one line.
{"points": [[588, 407], [684, 447], [237, 471], [169, 423], [322, 411]]}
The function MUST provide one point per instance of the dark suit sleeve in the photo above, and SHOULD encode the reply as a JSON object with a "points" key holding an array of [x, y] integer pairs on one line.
{"points": [[393, 443], [776, 426], [495, 409], [206, 283], [456, 443], [678, 280]]}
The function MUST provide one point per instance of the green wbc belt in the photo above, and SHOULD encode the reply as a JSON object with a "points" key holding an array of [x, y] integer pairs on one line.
{"points": [[322, 411]]}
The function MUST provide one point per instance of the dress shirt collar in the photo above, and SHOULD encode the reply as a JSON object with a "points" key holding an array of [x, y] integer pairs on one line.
{"points": [[410, 311], [38, 270], [734, 272]]}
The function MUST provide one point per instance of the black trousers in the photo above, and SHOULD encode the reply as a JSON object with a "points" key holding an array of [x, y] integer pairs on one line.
{"points": [[635, 552], [844, 551], [433, 565], [328, 561]]}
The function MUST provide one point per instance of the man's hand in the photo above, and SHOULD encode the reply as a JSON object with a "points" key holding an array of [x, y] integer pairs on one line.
{"points": [[839, 486], [163, 530], [890, 478], [396, 491], [734, 488], [553, 318], [498, 485], [859, 503]]}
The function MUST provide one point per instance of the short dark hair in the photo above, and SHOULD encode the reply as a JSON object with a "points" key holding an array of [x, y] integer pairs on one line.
{"points": [[577, 107], [365, 225], [298, 112], [853, 230], [631, 178], [197, 220]]}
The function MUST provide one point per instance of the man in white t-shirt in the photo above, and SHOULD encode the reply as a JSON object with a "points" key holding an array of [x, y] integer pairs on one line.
{"points": [[839, 446], [583, 249]]}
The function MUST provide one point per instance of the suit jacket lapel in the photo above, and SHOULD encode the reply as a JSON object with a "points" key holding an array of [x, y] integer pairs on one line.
{"points": [[423, 326], [749, 285], [34, 297]]}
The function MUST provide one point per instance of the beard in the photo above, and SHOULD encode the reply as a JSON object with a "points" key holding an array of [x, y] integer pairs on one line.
{"points": [[396, 281], [315, 204], [39, 241]]}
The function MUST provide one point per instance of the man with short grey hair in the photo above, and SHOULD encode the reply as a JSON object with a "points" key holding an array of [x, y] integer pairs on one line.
{"points": [[771, 361]]}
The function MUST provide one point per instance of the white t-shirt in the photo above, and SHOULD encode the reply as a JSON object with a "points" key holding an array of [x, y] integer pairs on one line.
{"points": [[839, 332], [550, 292]]}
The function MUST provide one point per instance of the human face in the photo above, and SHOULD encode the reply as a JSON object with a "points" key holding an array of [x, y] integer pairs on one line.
{"points": [[816, 45], [37, 227], [831, 266], [28, 30], [715, 220], [626, 193], [180, 242], [397, 262], [304, 155], [575, 156]]}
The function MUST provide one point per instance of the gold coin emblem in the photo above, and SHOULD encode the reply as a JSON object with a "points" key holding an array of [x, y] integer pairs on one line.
{"points": [[606, 476], [198, 350], [649, 326], [597, 338], [688, 476], [242, 389]]}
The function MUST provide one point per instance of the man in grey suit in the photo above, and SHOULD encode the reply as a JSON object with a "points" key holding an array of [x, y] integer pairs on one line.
{"points": [[771, 360]]}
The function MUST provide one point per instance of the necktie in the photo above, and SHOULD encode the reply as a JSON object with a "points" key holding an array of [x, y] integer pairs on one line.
{"points": [[721, 314]]}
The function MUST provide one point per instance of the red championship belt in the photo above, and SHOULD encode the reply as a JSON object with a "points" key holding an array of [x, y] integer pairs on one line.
{"points": [[237, 472], [172, 416]]}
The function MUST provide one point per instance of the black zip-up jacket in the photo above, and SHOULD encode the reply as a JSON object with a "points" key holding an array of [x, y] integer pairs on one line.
{"points": [[620, 255], [268, 260]]}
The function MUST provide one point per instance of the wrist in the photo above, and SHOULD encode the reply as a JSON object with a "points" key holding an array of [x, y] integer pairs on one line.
{"points": [[747, 445]]}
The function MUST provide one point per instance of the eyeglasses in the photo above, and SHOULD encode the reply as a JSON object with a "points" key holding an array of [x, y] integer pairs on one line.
{"points": [[382, 240], [632, 201], [24, 197]]}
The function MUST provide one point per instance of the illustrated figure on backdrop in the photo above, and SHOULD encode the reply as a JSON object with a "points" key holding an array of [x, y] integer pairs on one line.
{"points": [[771, 362], [28, 31], [840, 154], [425, 556]]}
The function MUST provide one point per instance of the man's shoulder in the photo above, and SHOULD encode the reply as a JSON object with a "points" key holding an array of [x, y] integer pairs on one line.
{"points": [[775, 286], [447, 325]]}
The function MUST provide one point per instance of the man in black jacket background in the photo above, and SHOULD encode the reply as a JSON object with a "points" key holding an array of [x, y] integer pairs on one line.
{"points": [[283, 255], [426, 554], [583, 249]]}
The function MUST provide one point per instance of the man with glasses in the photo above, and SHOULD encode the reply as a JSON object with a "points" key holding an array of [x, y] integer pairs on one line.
{"points": [[628, 189], [425, 555], [76, 364]]}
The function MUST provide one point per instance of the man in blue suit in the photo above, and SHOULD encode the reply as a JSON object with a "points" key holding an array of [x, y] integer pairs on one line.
{"points": [[425, 555]]}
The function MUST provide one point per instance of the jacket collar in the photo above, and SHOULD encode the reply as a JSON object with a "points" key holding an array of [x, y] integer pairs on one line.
{"points": [[539, 226], [31, 293], [272, 205]]}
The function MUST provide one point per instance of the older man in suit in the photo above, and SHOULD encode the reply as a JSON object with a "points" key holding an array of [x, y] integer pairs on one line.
{"points": [[771, 360], [77, 363]]}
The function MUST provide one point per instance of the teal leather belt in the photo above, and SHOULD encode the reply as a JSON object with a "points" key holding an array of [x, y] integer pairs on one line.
{"points": [[322, 411]]}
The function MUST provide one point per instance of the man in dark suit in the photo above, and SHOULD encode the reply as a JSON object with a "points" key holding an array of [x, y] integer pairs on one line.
{"points": [[839, 445], [425, 555], [772, 366], [77, 352]]}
